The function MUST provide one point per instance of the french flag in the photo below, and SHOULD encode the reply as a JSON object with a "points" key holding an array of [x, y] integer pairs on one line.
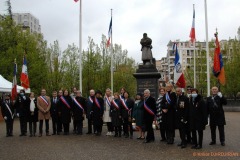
{"points": [[24, 75], [75, 0], [14, 84], [192, 32], [109, 33], [179, 79]]}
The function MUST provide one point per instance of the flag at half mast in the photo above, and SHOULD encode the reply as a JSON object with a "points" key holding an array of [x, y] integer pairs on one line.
{"points": [[179, 79], [109, 33]]}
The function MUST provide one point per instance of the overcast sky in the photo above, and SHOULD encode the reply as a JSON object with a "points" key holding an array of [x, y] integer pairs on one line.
{"points": [[163, 20]]}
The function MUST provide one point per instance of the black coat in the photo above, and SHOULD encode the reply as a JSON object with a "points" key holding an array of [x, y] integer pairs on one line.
{"points": [[115, 113], [98, 112], [170, 115], [34, 117], [21, 106], [216, 112], [151, 103], [89, 106], [6, 112], [182, 111], [64, 110], [54, 109], [125, 113], [77, 111], [198, 114]]}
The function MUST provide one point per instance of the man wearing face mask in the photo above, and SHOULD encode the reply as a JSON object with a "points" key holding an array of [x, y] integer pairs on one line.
{"points": [[217, 118], [8, 114], [182, 112], [21, 106]]}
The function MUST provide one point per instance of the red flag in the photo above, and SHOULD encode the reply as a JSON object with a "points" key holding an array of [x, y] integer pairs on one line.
{"points": [[109, 33], [192, 32], [24, 75], [218, 68], [75, 0], [14, 84]]}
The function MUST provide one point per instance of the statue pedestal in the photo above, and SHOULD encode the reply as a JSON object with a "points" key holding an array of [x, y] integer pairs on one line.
{"points": [[147, 78]]}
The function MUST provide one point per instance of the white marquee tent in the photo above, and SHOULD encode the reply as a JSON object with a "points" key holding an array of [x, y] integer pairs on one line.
{"points": [[6, 86]]}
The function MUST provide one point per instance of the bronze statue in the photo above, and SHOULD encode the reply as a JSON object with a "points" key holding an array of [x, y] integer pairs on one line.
{"points": [[146, 43]]}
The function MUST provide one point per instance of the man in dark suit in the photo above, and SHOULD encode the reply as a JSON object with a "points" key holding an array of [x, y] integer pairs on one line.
{"points": [[8, 114], [217, 118], [149, 114], [21, 105], [54, 112]]}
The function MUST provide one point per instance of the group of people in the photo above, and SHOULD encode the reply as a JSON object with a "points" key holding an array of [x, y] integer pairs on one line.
{"points": [[172, 110]]}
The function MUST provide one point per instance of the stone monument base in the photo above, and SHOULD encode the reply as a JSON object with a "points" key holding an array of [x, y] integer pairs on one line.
{"points": [[147, 78]]}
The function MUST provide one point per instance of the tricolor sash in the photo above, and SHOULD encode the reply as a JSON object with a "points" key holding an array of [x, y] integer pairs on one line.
{"points": [[12, 115], [65, 102], [115, 104], [78, 104], [108, 101], [124, 104], [168, 98], [90, 99], [147, 108], [44, 100], [97, 103]]}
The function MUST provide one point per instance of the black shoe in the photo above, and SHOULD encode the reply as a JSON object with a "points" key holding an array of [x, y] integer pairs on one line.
{"points": [[179, 144], [212, 143], [21, 135], [126, 136], [30, 135], [139, 138], [194, 147], [198, 147], [148, 141], [54, 134], [10, 135], [222, 143], [40, 135], [131, 137], [162, 140], [116, 135], [47, 134], [89, 133]]}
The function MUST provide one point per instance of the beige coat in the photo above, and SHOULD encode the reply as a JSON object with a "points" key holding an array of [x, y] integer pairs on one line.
{"points": [[44, 109]]}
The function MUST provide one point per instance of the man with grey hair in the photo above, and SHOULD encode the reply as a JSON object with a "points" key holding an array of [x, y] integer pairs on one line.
{"points": [[149, 114]]}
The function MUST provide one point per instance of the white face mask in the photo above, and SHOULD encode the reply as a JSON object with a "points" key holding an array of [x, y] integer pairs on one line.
{"points": [[194, 95]]}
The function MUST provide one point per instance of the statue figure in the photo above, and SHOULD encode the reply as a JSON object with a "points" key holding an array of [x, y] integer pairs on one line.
{"points": [[146, 43]]}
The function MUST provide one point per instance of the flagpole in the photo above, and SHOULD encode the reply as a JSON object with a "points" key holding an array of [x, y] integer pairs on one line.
{"points": [[111, 58], [207, 50], [80, 46], [194, 58]]}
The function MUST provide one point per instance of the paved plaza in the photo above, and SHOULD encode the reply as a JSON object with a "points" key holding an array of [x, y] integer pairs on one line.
{"points": [[91, 147]]}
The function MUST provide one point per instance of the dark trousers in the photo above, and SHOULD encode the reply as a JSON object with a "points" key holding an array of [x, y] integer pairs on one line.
{"points": [[90, 125], [66, 128], [54, 126], [127, 124], [97, 125], [46, 126], [59, 125], [149, 130], [74, 126], [118, 130], [9, 126], [182, 132], [200, 137], [162, 131], [79, 126], [32, 128], [23, 125], [109, 126], [170, 135], [221, 133]]}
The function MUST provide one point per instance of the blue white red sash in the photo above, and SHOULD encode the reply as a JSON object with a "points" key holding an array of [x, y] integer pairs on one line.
{"points": [[124, 104], [65, 102], [97, 103], [90, 99], [78, 104], [12, 115], [147, 108], [168, 98], [115, 104], [44, 99], [108, 101]]}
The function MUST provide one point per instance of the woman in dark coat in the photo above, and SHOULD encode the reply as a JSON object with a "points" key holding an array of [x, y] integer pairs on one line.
{"points": [[64, 108], [32, 114], [115, 114], [198, 118], [127, 105], [138, 115]]}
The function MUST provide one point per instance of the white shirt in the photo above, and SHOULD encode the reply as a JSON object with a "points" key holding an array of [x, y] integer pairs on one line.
{"points": [[32, 105]]}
